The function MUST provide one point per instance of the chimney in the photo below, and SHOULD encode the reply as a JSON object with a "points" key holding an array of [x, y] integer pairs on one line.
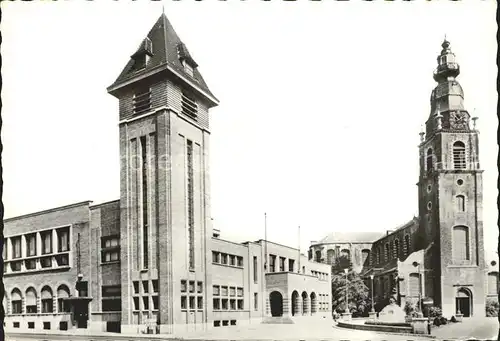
{"points": [[389, 232]]}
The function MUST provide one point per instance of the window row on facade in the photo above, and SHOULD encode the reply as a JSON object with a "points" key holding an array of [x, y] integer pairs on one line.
{"points": [[222, 298], [391, 250], [283, 264], [35, 251], [34, 302], [322, 276], [145, 295], [191, 295], [227, 259]]}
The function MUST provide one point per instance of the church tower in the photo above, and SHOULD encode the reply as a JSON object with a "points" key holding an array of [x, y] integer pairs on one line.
{"points": [[165, 220], [450, 198]]}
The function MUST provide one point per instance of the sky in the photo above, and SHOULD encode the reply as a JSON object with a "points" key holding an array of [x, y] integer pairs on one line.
{"points": [[321, 105]]}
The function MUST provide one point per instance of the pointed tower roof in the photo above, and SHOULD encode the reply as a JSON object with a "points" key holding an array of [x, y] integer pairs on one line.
{"points": [[165, 53]]}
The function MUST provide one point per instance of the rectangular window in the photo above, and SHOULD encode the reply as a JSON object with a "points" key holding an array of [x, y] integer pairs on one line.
{"points": [[47, 305], [215, 257], [4, 249], [232, 304], [183, 302], [224, 304], [225, 323], [46, 325], [183, 285], [190, 201], [272, 263], [199, 302], [136, 287], [216, 303], [145, 302], [30, 264], [31, 325], [291, 265], [240, 292], [232, 260], [63, 239], [142, 101], [110, 249], [63, 325], [111, 291], [145, 287], [154, 282], [282, 264], [224, 291], [16, 247], [114, 304], [15, 266], [136, 303], [155, 302], [233, 322], [15, 324], [240, 261], [191, 302], [145, 201], [191, 286], [189, 106], [255, 301], [223, 258], [216, 323], [46, 242], [46, 262], [199, 287], [240, 304], [216, 290], [255, 269], [16, 306], [232, 291], [31, 245]]}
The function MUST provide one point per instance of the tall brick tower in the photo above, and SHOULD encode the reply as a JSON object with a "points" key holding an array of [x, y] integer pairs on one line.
{"points": [[450, 198], [164, 184]]}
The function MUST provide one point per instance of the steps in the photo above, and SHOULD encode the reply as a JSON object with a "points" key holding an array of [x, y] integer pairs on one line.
{"points": [[277, 320]]}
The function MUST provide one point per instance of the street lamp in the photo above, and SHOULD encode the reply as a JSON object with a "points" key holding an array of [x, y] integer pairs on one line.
{"points": [[373, 301], [346, 292], [417, 265]]}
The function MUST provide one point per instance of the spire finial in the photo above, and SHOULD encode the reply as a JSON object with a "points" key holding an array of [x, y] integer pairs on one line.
{"points": [[163, 8]]}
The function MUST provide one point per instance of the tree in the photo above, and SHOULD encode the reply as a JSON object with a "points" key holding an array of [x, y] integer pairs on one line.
{"points": [[358, 293]]}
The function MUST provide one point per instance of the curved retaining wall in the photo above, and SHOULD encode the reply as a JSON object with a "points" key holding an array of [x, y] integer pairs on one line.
{"points": [[377, 328]]}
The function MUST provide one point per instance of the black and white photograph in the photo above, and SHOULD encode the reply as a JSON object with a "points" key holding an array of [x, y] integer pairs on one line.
{"points": [[249, 170]]}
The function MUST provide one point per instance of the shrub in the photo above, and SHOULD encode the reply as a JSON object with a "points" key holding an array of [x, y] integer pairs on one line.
{"points": [[437, 322], [453, 319], [492, 307], [435, 312], [409, 308], [442, 320]]}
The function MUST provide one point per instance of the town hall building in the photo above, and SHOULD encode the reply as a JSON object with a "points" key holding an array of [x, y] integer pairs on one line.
{"points": [[151, 262]]}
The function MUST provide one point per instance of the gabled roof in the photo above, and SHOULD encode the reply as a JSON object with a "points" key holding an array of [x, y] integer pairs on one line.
{"points": [[350, 237], [167, 52]]}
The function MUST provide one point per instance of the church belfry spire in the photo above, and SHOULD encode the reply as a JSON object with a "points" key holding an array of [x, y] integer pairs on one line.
{"points": [[447, 98]]}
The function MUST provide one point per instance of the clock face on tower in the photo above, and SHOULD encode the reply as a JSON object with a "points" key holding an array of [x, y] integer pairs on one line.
{"points": [[458, 120]]}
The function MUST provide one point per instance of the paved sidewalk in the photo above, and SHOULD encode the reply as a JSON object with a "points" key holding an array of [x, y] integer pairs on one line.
{"points": [[485, 328]]}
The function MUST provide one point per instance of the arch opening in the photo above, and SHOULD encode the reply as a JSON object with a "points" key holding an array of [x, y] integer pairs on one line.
{"points": [[276, 303], [295, 303], [314, 303], [305, 303], [463, 301]]}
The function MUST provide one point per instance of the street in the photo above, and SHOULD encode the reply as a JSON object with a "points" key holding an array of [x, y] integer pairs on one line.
{"points": [[290, 332], [485, 328]]}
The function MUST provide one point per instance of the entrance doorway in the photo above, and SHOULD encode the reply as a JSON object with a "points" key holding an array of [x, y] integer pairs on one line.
{"points": [[276, 302], [463, 302]]}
